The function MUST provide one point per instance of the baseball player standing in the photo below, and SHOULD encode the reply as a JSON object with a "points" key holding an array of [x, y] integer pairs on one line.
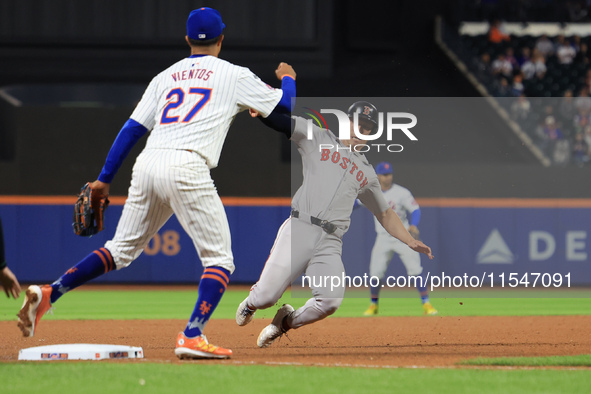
{"points": [[404, 204], [335, 174], [188, 108]]}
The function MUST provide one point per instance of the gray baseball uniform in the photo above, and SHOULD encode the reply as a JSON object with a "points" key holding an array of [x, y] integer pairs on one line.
{"points": [[333, 178]]}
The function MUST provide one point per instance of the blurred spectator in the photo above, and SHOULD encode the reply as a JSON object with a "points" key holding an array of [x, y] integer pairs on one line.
{"points": [[501, 66], [540, 66], [582, 56], [520, 109], [510, 57], [548, 111], [576, 42], [536, 67], [566, 108], [545, 69], [528, 69], [561, 153], [502, 88], [587, 81], [580, 150], [496, 33], [587, 135], [581, 120], [548, 135], [517, 88], [583, 101], [545, 46], [564, 50], [483, 67], [524, 56]]}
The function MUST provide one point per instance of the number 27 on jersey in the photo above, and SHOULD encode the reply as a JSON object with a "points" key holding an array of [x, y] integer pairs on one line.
{"points": [[175, 109]]}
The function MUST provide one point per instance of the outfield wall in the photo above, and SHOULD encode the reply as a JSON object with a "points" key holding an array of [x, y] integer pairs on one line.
{"points": [[468, 236]]}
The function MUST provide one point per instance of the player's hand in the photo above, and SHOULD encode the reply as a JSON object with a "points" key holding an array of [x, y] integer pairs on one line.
{"points": [[420, 247], [285, 69], [253, 112], [10, 283], [99, 189]]}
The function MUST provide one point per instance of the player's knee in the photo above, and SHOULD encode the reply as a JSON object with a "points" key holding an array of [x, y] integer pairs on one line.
{"points": [[330, 305], [264, 301]]}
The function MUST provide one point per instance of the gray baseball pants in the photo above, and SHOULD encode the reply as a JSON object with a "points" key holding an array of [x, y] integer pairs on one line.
{"points": [[302, 247]]}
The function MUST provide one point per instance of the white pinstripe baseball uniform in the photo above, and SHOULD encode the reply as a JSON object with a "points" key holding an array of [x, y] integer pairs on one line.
{"points": [[189, 108]]}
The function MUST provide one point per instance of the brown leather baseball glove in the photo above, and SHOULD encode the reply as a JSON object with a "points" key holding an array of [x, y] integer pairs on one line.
{"points": [[89, 213]]}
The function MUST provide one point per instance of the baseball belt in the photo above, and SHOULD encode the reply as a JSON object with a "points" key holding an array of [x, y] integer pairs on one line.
{"points": [[327, 226]]}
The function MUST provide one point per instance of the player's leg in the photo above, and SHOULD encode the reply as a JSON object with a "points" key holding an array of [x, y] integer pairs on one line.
{"points": [[274, 279], [324, 271], [200, 211], [39, 299], [381, 255], [143, 215], [412, 263], [284, 265], [324, 268], [327, 295]]}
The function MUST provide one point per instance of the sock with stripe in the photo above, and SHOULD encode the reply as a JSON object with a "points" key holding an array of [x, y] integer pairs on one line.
{"points": [[424, 294], [92, 266], [375, 292], [212, 286]]}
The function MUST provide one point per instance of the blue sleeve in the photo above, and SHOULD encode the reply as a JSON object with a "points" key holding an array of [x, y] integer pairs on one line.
{"points": [[288, 86], [280, 122], [131, 132], [280, 119], [415, 217]]}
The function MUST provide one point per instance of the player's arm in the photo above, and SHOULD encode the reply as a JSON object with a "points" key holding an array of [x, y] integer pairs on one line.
{"points": [[287, 75], [411, 206], [372, 197], [129, 135], [413, 228], [280, 118], [278, 121], [394, 226], [9, 283], [7, 279], [141, 120]]}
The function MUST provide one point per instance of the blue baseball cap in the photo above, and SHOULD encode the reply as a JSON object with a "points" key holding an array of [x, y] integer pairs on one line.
{"points": [[384, 168], [204, 24]]}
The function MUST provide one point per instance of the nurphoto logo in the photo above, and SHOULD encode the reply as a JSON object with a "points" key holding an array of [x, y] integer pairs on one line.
{"points": [[389, 126]]}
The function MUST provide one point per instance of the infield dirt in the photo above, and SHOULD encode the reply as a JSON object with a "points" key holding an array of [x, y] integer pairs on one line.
{"points": [[365, 341]]}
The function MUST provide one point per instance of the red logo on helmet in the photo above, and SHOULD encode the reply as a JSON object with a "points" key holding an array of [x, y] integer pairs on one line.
{"points": [[366, 110]]}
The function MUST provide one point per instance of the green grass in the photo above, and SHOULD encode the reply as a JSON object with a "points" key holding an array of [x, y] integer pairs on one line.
{"points": [[178, 304], [125, 377], [135, 304], [101, 377], [582, 360]]}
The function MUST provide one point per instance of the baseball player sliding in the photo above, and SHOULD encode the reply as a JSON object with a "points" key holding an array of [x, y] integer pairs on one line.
{"points": [[310, 240], [403, 203], [188, 108]]}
